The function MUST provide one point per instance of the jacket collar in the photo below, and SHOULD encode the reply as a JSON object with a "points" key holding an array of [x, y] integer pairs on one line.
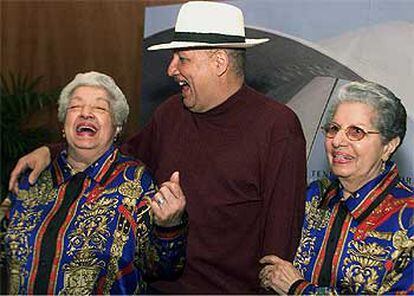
{"points": [[363, 201], [95, 171]]}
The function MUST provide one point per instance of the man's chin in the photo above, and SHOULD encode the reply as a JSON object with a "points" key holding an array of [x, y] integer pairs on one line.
{"points": [[187, 103]]}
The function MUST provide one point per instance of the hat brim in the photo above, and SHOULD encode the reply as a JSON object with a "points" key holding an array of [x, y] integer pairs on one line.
{"points": [[187, 44]]}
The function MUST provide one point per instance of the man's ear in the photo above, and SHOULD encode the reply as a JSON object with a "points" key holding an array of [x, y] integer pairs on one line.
{"points": [[222, 61], [390, 148]]}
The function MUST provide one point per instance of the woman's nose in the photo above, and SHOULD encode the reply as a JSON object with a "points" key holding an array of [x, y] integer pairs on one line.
{"points": [[86, 111], [340, 139]]}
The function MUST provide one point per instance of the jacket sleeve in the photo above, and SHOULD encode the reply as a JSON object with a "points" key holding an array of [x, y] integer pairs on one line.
{"points": [[3, 229], [160, 252]]}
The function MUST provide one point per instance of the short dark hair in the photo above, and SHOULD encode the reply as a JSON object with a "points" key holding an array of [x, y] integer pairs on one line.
{"points": [[237, 60]]}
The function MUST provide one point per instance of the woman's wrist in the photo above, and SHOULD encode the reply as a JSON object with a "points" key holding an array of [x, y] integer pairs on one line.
{"points": [[295, 284]]}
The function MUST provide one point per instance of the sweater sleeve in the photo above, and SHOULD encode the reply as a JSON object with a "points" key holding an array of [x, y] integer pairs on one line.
{"points": [[284, 190], [55, 148]]}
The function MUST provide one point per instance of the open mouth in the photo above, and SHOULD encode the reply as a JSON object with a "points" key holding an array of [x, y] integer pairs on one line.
{"points": [[340, 157], [184, 85], [86, 129]]}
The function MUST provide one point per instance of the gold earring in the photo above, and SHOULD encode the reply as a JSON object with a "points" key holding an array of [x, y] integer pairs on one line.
{"points": [[63, 134], [383, 164], [117, 134]]}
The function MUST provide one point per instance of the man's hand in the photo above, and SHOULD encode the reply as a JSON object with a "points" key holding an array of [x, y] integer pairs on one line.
{"points": [[169, 202], [37, 160]]}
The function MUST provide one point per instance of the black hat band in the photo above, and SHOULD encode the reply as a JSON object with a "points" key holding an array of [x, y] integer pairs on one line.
{"points": [[208, 37]]}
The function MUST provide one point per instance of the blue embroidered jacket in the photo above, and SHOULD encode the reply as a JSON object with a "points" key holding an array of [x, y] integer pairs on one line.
{"points": [[364, 245], [90, 232]]}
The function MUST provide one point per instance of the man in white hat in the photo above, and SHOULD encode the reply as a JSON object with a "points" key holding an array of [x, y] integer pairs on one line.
{"points": [[241, 155]]}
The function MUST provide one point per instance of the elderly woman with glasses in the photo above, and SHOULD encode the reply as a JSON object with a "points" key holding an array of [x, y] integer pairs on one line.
{"points": [[93, 223], [358, 232]]}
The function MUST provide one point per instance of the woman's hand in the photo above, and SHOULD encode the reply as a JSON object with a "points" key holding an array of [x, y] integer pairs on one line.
{"points": [[278, 274], [169, 202]]}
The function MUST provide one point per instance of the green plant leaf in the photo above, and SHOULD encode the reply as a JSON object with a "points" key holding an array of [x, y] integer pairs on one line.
{"points": [[19, 99]]}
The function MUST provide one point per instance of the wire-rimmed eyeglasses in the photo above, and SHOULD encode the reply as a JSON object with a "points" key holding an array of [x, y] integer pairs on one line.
{"points": [[352, 132]]}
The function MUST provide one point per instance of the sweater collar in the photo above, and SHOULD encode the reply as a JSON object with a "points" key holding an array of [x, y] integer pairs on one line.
{"points": [[227, 104]]}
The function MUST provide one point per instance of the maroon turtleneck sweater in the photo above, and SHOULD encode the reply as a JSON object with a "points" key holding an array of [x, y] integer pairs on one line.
{"points": [[242, 167]]}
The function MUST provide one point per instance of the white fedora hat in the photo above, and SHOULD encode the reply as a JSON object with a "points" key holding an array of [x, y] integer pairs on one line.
{"points": [[209, 24]]}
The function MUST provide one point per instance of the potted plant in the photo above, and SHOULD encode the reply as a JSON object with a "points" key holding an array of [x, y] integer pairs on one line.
{"points": [[19, 100]]}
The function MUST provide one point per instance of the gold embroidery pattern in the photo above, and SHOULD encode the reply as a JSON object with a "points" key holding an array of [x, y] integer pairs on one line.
{"points": [[39, 193], [18, 252], [146, 254], [361, 267], [142, 234], [380, 235], [91, 226], [89, 238], [400, 258], [80, 275], [22, 223], [131, 191], [317, 219], [305, 251]]}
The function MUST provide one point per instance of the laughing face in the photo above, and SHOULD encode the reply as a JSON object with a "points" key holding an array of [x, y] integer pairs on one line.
{"points": [[194, 71], [89, 126], [356, 162]]}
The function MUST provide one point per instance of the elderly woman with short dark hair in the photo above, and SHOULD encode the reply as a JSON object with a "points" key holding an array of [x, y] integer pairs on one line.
{"points": [[93, 223], [358, 232]]}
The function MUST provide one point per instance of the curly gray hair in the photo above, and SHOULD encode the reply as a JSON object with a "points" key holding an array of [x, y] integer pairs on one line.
{"points": [[391, 116], [118, 102]]}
